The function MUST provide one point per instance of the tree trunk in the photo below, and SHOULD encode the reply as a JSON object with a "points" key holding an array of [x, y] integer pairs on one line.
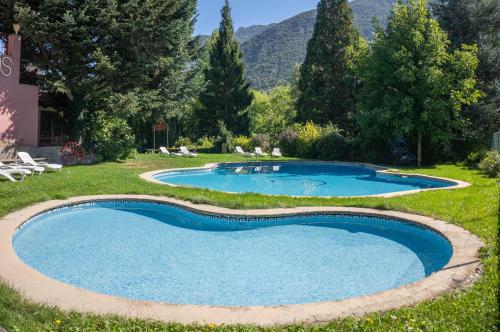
{"points": [[419, 150]]}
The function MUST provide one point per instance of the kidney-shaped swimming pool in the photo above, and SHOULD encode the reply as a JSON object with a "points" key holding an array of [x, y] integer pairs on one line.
{"points": [[299, 179], [165, 253]]}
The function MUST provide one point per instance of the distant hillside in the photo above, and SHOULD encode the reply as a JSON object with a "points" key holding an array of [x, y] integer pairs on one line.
{"points": [[244, 34], [271, 55]]}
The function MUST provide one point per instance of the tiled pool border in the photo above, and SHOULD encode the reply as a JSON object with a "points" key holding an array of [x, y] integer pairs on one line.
{"points": [[457, 184], [464, 268]]}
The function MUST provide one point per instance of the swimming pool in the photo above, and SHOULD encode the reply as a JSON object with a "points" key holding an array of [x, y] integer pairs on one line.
{"points": [[165, 253], [299, 179]]}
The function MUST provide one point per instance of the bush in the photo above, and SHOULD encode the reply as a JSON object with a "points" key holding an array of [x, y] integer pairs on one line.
{"points": [[185, 141], [245, 142], [288, 141], [309, 134], [225, 137], [263, 141], [490, 165], [206, 143], [331, 145], [111, 138], [474, 159]]}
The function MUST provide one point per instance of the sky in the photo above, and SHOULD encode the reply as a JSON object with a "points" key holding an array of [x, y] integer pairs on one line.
{"points": [[248, 12]]}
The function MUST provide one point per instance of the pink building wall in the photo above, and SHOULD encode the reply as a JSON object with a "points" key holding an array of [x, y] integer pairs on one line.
{"points": [[18, 102]]}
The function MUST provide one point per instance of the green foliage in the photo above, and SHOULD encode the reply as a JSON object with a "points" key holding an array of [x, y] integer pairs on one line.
{"points": [[111, 138], [474, 158], [476, 22], [412, 85], [490, 165], [288, 141], [226, 95], [184, 141], [332, 145], [309, 134], [205, 143], [270, 113], [225, 136], [327, 82], [96, 53], [245, 142]]}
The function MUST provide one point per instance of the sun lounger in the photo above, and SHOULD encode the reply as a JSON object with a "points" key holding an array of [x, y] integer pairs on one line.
{"points": [[260, 153], [185, 152], [277, 153], [9, 174], [240, 151], [164, 151], [28, 161]]}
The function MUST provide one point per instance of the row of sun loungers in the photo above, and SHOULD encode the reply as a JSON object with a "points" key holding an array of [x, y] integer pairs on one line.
{"points": [[258, 152], [184, 152], [25, 166]]}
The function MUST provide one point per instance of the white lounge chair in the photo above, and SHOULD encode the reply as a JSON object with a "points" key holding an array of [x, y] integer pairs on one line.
{"points": [[164, 151], [276, 153], [12, 167], [185, 152], [9, 174], [28, 170], [240, 151], [27, 160], [260, 153]]}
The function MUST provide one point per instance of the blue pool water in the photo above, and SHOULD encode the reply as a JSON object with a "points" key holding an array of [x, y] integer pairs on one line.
{"points": [[298, 179], [156, 252]]}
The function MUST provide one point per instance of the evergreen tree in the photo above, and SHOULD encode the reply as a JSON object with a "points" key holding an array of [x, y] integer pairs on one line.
{"points": [[413, 87], [127, 58], [327, 83], [477, 22], [227, 94]]}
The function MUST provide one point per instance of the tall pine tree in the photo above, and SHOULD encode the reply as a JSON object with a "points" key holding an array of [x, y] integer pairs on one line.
{"points": [[227, 94], [477, 22], [327, 82]]}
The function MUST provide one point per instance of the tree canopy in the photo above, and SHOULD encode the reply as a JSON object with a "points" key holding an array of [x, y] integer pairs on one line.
{"points": [[413, 86], [130, 57], [327, 82], [226, 95]]}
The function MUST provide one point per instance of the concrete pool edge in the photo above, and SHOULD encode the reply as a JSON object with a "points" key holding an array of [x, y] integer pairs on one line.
{"points": [[462, 270], [458, 184]]}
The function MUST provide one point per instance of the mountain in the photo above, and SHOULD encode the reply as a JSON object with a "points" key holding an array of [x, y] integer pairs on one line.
{"points": [[244, 34], [271, 52]]}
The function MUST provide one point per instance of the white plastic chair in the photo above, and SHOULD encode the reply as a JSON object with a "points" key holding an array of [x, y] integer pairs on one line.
{"points": [[164, 151], [27, 160], [185, 152], [260, 153], [277, 153], [239, 150]]}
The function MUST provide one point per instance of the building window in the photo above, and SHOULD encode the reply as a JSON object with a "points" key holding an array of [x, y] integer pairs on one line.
{"points": [[3, 44]]}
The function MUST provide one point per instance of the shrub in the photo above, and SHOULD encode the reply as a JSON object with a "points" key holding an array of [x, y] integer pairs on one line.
{"points": [[474, 158], [308, 136], [288, 141], [262, 140], [225, 137], [111, 138], [185, 141], [245, 142], [331, 145], [206, 143], [490, 165]]}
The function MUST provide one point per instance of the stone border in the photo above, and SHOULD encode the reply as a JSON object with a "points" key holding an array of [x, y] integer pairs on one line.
{"points": [[150, 177], [462, 270]]}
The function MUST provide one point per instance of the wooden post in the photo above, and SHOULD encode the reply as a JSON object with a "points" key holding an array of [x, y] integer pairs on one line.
{"points": [[419, 152], [154, 137]]}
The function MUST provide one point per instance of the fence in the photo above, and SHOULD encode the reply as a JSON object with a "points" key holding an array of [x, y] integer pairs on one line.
{"points": [[496, 141]]}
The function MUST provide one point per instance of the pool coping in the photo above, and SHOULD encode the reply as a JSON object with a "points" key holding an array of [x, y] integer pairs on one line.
{"points": [[463, 269], [458, 184]]}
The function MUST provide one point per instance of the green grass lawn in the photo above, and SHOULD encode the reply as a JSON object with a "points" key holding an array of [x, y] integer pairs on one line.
{"points": [[475, 208]]}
